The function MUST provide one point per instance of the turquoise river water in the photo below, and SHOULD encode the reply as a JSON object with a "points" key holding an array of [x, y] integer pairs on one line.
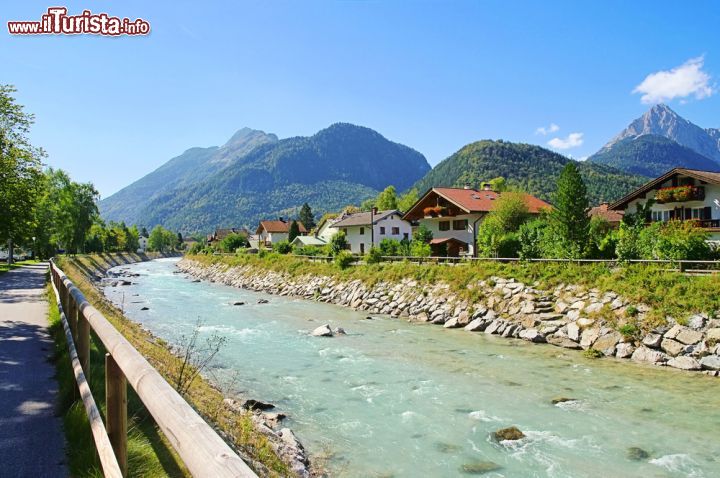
{"points": [[398, 399]]}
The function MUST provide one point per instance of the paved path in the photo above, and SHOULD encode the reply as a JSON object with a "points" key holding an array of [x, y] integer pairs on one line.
{"points": [[31, 437]]}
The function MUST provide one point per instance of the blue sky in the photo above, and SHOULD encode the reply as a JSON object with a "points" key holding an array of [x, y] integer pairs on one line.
{"points": [[433, 75]]}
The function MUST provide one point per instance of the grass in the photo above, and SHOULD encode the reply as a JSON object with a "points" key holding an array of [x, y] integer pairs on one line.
{"points": [[202, 395], [149, 454], [4, 266], [667, 293]]}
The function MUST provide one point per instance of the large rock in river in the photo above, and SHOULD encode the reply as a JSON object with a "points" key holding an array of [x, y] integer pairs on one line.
{"points": [[322, 331], [510, 433]]}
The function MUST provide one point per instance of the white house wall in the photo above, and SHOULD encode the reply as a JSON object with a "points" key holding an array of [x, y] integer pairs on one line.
{"points": [[712, 194], [354, 237], [466, 235]]}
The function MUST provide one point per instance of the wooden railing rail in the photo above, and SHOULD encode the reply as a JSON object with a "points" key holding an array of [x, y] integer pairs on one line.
{"points": [[202, 450]]}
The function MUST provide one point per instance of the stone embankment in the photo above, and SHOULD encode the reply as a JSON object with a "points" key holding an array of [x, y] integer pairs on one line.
{"points": [[567, 316]]}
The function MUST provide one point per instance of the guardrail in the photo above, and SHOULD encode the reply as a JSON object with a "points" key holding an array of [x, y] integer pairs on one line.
{"points": [[202, 450]]}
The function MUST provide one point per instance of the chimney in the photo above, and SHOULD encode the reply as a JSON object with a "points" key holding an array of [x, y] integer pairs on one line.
{"points": [[467, 186], [487, 187], [281, 219], [374, 210]]}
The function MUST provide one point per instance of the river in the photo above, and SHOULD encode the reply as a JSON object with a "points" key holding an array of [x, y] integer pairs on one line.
{"points": [[399, 399]]}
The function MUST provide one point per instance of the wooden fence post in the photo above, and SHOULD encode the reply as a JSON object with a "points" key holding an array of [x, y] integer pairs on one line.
{"points": [[83, 342], [71, 312], [116, 404]]}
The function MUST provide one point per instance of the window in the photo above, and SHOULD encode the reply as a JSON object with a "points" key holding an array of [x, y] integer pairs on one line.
{"points": [[660, 216], [697, 213], [362, 248], [395, 231], [460, 225], [362, 231], [444, 225], [382, 230], [406, 236]]}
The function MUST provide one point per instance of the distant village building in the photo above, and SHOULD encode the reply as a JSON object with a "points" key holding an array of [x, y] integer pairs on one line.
{"points": [[142, 244], [602, 211], [680, 194], [454, 215], [365, 229], [272, 232], [302, 241], [222, 233]]}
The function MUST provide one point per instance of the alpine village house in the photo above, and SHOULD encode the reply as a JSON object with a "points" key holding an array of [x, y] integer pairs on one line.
{"points": [[272, 232], [453, 215], [365, 229], [680, 194]]}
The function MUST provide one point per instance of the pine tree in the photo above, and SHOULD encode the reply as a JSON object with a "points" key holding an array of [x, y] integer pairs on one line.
{"points": [[569, 220], [306, 217], [294, 231]]}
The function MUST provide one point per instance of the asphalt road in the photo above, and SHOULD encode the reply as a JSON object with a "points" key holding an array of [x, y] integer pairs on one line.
{"points": [[31, 438]]}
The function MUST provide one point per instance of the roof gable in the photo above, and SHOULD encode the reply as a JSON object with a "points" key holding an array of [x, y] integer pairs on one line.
{"points": [[278, 226], [710, 177], [467, 201], [364, 218]]}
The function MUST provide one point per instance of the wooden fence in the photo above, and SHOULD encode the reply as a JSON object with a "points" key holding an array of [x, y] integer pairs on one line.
{"points": [[202, 450]]}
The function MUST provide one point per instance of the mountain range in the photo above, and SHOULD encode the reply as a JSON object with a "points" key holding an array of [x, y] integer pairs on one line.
{"points": [[658, 141], [255, 175]]}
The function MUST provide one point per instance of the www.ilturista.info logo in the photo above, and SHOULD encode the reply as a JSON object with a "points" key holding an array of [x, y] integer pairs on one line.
{"points": [[57, 22]]}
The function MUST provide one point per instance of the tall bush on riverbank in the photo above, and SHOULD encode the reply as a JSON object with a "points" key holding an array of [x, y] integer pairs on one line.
{"points": [[569, 222]]}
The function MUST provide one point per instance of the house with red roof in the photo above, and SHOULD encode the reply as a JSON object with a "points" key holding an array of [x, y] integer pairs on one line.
{"points": [[681, 194], [454, 215], [272, 232]]}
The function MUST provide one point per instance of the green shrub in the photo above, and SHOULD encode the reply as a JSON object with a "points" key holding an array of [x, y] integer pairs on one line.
{"points": [[282, 247], [232, 242], [338, 243], [344, 259], [593, 353], [374, 256], [309, 251], [629, 331], [631, 311], [420, 249]]}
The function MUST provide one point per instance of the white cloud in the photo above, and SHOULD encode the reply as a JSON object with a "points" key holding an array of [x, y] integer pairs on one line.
{"points": [[547, 130], [683, 81], [573, 140]]}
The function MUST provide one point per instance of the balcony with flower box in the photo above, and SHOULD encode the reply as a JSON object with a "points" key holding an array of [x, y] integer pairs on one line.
{"points": [[680, 194]]}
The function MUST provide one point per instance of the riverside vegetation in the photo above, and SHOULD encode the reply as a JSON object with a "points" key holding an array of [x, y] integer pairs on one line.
{"points": [[149, 453], [662, 317]]}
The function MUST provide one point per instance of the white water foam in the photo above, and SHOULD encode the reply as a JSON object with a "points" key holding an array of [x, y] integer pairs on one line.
{"points": [[679, 463], [483, 416]]}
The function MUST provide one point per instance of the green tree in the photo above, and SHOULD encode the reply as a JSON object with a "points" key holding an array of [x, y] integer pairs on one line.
{"points": [[161, 239], [387, 199], [306, 217], [406, 201], [232, 242], [20, 171], [569, 221], [423, 234], [498, 184], [338, 243], [293, 231], [532, 236], [497, 237]]}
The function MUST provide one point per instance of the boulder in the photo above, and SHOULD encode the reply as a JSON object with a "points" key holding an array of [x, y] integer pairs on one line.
{"points": [[479, 467], [145, 308], [652, 340], [684, 363], [637, 454], [557, 400], [593, 307], [710, 362], [713, 335], [624, 350], [573, 331], [589, 336], [584, 322], [689, 336], [463, 318], [476, 325], [263, 301], [697, 322], [510, 433], [339, 331], [644, 354], [532, 335], [322, 331], [238, 303], [451, 323], [673, 332], [607, 343], [561, 341], [495, 326], [252, 404], [672, 347]]}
